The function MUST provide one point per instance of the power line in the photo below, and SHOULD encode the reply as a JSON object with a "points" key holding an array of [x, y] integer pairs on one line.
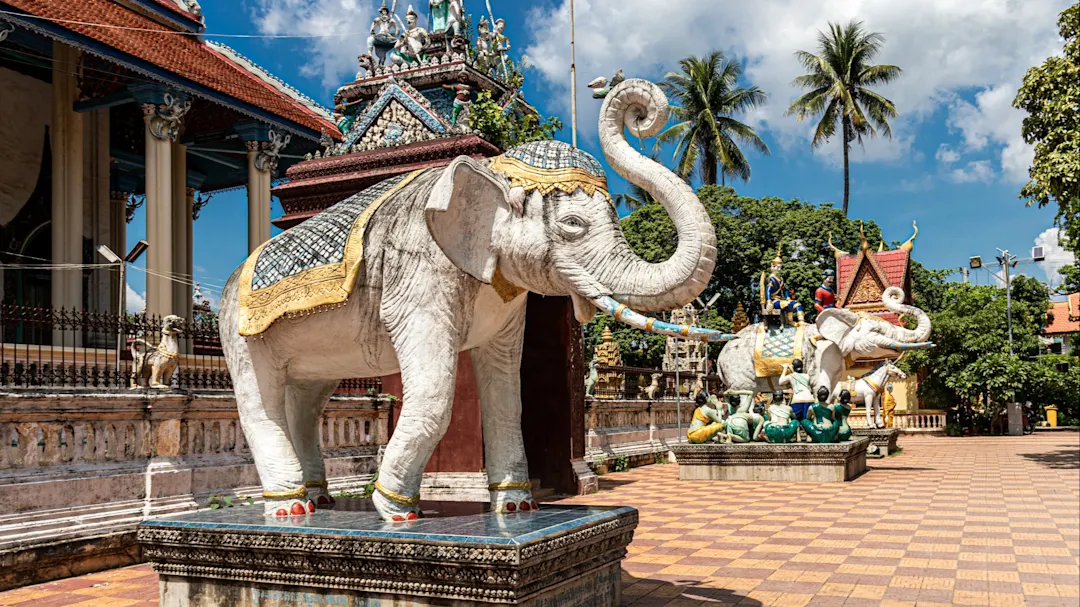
{"points": [[178, 33]]}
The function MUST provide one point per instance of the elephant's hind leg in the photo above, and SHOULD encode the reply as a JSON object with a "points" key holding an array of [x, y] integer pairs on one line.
{"points": [[304, 404], [498, 376], [260, 400]]}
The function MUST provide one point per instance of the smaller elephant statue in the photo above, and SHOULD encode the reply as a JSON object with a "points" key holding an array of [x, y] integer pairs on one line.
{"points": [[654, 391], [157, 364]]}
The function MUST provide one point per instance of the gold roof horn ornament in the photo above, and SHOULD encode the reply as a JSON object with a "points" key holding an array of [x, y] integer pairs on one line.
{"points": [[865, 245], [910, 244], [836, 252]]}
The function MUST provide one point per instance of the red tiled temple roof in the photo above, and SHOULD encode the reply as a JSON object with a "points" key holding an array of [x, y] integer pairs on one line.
{"points": [[174, 7], [183, 55], [893, 263], [1064, 316]]}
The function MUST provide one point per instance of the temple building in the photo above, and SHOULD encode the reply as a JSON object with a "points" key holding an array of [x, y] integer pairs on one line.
{"points": [[101, 114], [861, 279], [1063, 325]]}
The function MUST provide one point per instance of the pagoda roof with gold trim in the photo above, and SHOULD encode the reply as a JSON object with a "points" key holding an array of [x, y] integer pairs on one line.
{"points": [[862, 277]]}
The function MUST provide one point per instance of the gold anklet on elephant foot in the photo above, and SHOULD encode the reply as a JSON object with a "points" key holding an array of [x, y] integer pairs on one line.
{"points": [[291, 494], [396, 497], [511, 486], [316, 484]]}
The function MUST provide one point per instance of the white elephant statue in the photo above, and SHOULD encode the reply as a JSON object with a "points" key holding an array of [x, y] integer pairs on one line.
{"points": [[838, 334], [407, 274]]}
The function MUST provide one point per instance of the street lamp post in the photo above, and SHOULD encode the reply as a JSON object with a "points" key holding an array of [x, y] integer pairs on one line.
{"points": [[121, 263]]}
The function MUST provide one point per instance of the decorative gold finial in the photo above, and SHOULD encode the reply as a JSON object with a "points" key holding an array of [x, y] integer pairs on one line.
{"points": [[910, 244], [607, 336], [778, 259], [865, 245], [836, 252]]}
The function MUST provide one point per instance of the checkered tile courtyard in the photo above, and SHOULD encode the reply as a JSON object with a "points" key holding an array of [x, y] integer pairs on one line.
{"points": [[972, 521]]}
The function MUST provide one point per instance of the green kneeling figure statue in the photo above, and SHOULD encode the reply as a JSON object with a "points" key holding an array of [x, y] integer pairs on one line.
{"points": [[841, 411], [707, 422], [782, 425], [823, 427]]}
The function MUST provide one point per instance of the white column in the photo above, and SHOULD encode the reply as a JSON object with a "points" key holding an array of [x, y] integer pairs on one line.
{"points": [[258, 198], [67, 180], [181, 225], [158, 215], [189, 261]]}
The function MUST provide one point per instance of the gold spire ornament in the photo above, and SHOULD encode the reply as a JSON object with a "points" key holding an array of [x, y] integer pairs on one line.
{"points": [[910, 244]]}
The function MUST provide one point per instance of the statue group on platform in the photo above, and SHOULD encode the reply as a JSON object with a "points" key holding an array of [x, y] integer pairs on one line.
{"points": [[392, 42]]}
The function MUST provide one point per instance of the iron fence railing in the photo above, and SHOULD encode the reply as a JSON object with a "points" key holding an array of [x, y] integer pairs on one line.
{"points": [[636, 383], [58, 348]]}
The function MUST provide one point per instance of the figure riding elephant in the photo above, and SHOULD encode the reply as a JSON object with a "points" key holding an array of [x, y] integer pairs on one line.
{"points": [[838, 334], [410, 272]]}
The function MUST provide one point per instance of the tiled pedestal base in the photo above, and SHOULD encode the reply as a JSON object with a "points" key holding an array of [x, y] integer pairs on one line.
{"points": [[558, 556], [883, 439], [809, 462]]}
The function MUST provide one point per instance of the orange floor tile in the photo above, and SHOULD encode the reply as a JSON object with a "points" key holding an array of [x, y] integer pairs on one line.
{"points": [[975, 521]]}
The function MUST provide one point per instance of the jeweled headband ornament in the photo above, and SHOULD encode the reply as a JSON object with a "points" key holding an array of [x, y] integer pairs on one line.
{"points": [[547, 166]]}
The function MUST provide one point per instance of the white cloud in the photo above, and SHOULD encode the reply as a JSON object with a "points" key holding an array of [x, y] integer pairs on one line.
{"points": [[136, 302], [331, 59], [992, 120], [946, 155], [945, 47], [976, 171], [1056, 255]]}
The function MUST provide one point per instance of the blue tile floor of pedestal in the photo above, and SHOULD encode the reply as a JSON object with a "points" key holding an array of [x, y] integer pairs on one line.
{"points": [[439, 524]]}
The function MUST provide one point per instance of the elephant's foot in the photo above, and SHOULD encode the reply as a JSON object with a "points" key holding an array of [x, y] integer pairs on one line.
{"points": [[395, 507], [293, 502], [512, 497], [320, 494]]}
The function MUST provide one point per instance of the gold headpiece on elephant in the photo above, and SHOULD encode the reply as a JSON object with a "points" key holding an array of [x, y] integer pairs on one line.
{"points": [[549, 166]]}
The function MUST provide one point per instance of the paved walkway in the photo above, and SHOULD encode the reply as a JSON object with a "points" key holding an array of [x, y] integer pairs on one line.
{"points": [[975, 521]]}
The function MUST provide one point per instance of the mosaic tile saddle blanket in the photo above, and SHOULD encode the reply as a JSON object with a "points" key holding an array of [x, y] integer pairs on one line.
{"points": [[775, 348], [314, 265]]}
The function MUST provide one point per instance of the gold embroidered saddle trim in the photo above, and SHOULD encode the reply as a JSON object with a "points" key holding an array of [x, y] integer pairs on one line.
{"points": [[546, 181], [773, 367], [320, 288]]}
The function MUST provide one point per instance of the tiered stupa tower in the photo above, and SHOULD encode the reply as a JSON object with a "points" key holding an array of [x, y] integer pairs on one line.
{"points": [[405, 111]]}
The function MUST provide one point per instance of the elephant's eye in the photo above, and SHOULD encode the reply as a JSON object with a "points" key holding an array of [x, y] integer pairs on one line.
{"points": [[573, 226]]}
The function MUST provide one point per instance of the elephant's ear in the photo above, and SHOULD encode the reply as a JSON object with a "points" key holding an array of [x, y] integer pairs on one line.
{"points": [[834, 324], [465, 205]]}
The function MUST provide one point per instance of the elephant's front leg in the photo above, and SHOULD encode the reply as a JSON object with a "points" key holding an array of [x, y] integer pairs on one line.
{"points": [[498, 375], [304, 404], [426, 344]]}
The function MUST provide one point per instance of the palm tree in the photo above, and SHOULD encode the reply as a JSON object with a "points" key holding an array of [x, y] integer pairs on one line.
{"points": [[705, 96], [839, 79], [634, 198]]}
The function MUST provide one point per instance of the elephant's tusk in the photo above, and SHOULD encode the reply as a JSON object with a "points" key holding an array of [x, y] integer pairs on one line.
{"points": [[923, 345], [624, 314]]}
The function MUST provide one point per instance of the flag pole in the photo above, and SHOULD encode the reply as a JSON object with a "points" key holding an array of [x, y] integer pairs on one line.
{"points": [[573, 80]]}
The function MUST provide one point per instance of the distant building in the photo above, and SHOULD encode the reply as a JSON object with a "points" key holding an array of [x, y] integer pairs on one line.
{"points": [[1063, 325]]}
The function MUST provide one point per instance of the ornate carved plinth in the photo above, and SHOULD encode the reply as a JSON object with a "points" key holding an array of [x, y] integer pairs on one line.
{"points": [[796, 462], [560, 555], [882, 440]]}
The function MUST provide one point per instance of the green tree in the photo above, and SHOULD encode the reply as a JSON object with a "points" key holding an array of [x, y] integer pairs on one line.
{"points": [[507, 129], [839, 78], [706, 96], [1051, 97], [969, 370], [748, 232]]}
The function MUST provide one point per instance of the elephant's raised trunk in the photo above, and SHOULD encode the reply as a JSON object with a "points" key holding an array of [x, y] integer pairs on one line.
{"points": [[652, 287], [893, 299]]}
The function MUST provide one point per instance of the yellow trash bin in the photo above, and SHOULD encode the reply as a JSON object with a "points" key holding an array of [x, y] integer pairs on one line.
{"points": [[1051, 415]]}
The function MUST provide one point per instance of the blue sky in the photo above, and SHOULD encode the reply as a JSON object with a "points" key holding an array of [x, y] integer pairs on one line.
{"points": [[955, 164]]}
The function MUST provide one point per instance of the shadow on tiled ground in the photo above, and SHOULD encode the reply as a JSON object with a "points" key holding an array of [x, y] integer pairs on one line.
{"points": [[950, 521]]}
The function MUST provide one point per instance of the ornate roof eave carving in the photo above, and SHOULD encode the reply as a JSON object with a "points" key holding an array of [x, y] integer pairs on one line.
{"points": [[456, 70], [340, 166], [159, 74]]}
